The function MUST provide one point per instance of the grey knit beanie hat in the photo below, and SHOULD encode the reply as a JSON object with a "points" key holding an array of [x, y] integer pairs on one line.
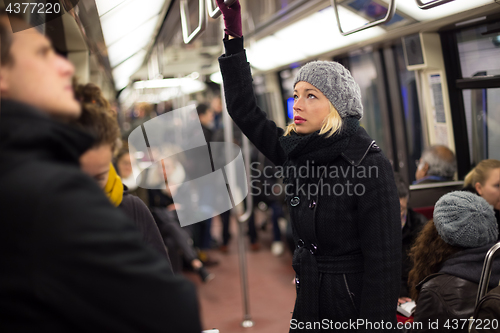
{"points": [[465, 219], [336, 83]]}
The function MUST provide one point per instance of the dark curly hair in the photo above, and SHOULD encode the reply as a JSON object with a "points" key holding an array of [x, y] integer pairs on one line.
{"points": [[92, 94], [97, 117], [428, 253]]}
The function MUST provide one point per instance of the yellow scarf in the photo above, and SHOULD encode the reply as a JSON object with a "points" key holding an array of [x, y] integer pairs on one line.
{"points": [[114, 187]]}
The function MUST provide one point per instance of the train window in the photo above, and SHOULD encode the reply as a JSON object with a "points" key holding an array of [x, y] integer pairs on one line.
{"points": [[411, 111], [482, 111], [364, 71], [472, 57], [286, 78], [479, 51]]}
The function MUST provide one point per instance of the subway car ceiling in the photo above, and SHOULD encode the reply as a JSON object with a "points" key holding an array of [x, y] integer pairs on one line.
{"points": [[125, 46], [131, 41]]}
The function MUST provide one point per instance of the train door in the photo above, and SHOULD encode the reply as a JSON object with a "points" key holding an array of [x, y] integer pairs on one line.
{"points": [[391, 107], [472, 58]]}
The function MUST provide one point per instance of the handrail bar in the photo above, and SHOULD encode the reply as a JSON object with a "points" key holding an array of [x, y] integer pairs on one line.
{"points": [[215, 13], [436, 184], [486, 272], [390, 13], [202, 22], [431, 4]]}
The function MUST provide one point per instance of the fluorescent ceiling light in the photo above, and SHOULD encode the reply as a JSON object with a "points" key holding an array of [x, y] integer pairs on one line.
{"points": [[104, 6], [122, 73], [127, 17], [127, 26], [165, 83], [189, 86], [410, 7], [301, 39], [131, 43]]}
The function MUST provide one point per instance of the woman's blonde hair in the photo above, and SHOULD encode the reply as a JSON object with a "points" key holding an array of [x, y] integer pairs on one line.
{"points": [[331, 124], [480, 173]]}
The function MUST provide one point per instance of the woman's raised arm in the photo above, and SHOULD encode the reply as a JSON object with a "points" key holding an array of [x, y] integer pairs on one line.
{"points": [[238, 89]]}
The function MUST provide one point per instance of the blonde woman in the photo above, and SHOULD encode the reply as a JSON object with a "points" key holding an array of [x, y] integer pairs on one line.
{"points": [[340, 192], [484, 180]]}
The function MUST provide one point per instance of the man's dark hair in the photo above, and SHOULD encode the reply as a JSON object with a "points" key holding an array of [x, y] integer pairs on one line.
{"points": [[201, 109], [6, 35], [403, 188]]}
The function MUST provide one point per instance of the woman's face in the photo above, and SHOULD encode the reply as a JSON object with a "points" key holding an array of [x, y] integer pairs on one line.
{"points": [[490, 190], [309, 109], [124, 166]]}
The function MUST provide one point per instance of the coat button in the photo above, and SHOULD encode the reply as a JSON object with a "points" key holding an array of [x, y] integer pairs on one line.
{"points": [[313, 249], [300, 243], [294, 201], [312, 204]]}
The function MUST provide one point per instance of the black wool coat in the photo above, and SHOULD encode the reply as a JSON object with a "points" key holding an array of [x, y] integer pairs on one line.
{"points": [[71, 262], [348, 260], [139, 213], [414, 224]]}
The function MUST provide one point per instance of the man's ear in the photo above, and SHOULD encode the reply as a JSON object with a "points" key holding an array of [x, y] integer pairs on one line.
{"points": [[425, 168]]}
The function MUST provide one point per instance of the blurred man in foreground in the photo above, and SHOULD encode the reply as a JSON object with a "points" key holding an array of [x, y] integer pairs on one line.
{"points": [[71, 262]]}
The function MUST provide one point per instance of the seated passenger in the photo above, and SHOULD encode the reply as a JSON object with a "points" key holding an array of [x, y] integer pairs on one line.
{"points": [[96, 162], [448, 259], [437, 164], [484, 180], [71, 262], [411, 225]]}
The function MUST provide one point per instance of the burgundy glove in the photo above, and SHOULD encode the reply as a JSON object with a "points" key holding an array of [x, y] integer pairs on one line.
{"points": [[232, 18]]}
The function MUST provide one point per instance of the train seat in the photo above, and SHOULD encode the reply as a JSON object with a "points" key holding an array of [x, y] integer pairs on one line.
{"points": [[423, 197]]}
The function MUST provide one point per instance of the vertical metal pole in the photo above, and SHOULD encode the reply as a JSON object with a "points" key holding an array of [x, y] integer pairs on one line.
{"points": [[242, 220], [421, 106], [228, 137]]}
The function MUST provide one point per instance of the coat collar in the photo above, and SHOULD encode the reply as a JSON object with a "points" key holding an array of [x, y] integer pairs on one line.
{"points": [[426, 279], [25, 128], [359, 146]]}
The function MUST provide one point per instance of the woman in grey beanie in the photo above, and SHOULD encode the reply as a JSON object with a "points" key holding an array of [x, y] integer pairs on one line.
{"points": [[448, 257], [339, 188]]}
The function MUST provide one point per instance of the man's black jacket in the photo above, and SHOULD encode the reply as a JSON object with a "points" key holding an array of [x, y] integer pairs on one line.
{"points": [[69, 260]]}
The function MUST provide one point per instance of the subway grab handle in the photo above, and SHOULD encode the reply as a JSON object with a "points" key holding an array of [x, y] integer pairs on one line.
{"points": [[390, 13], [202, 22], [431, 4], [215, 13]]}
